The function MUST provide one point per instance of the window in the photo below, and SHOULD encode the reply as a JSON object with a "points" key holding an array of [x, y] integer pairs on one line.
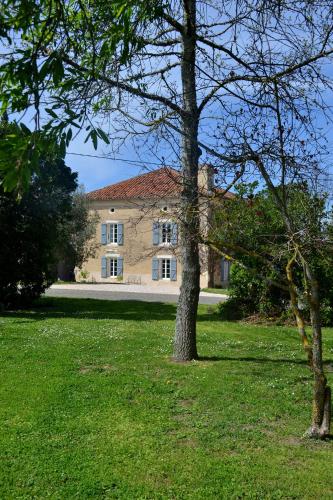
{"points": [[166, 269], [113, 268], [166, 229], [113, 235], [165, 233], [112, 232]]}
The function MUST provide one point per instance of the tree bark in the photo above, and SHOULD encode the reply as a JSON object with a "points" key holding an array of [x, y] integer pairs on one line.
{"points": [[297, 313], [321, 404], [185, 333]]}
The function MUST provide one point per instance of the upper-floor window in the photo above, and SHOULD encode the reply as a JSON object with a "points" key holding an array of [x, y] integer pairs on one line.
{"points": [[112, 232], [166, 232]]}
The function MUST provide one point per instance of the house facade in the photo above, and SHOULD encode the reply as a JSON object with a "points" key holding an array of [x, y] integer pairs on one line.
{"points": [[139, 235]]}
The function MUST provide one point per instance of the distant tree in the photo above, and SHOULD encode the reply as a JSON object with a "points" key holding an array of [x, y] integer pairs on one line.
{"points": [[77, 236], [31, 233]]}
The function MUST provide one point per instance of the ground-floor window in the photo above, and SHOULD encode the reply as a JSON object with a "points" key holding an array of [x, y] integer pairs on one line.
{"points": [[166, 265], [225, 271], [113, 268], [164, 268]]}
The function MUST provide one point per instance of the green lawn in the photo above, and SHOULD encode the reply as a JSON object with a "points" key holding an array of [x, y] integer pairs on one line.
{"points": [[92, 407]]}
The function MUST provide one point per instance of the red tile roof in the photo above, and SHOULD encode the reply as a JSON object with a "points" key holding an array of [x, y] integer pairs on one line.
{"points": [[160, 183], [156, 184]]}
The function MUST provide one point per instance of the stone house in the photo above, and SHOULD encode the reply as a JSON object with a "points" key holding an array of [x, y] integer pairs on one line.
{"points": [[139, 233]]}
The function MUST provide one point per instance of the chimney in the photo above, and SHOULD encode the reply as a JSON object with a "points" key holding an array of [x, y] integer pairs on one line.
{"points": [[206, 178]]}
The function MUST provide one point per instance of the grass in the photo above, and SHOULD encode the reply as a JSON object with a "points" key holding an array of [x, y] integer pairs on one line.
{"points": [[219, 291], [92, 407]]}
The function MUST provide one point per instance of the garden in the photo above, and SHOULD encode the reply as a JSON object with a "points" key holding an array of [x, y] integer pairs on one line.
{"points": [[94, 407]]}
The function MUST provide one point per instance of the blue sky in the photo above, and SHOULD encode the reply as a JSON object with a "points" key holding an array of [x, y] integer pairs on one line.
{"points": [[99, 172]]}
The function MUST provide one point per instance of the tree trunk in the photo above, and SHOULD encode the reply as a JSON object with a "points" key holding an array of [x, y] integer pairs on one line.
{"points": [[321, 405], [297, 313], [185, 334]]}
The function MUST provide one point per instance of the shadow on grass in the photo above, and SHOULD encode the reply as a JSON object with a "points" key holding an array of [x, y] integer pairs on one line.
{"points": [[52, 307], [252, 359]]}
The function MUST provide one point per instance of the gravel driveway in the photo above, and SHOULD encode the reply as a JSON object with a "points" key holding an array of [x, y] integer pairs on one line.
{"points": [[126, 292]]}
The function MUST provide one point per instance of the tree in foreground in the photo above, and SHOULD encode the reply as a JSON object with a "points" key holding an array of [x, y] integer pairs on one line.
{"points": [[281, 156], [176, 75]]}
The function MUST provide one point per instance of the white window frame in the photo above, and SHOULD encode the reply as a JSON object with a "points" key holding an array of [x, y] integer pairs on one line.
{"points": [[165, 268], [113, 263], [167, 232], [112, 230]]}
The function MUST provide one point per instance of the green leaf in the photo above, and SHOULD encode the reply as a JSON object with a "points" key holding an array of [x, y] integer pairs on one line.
{"points": [[87, 138], [51, 112], [25, 129], [58, 71], [69, 137], [103, 135], [45, 69], [62, 146], [94, 138]]}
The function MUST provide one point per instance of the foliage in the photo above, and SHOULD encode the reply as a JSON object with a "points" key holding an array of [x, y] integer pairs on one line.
{"points": [[73, 388], [77, 234], [251, 294], [254, 234], [60, 50], [92, 58], [31, 234]]}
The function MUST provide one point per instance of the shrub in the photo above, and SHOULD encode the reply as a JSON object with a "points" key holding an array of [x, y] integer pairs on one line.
{"points": [[30, 233], [251, 293]]}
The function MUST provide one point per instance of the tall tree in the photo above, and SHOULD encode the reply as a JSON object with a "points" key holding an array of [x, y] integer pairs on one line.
{"points": [[31, 232], [181, 72], [255, 235]]}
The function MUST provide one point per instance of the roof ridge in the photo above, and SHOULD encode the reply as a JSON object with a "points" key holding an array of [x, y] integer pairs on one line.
{"points": [[133, 178], [162, 181]]}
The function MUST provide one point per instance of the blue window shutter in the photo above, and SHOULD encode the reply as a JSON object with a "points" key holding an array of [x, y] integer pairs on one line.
{"points": [[222, 268], [120, 234], [120, 266], [103, 233], [155, 269], [225, 269], [156, 233], [174, 234], [104, 267], [173, 269]]}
